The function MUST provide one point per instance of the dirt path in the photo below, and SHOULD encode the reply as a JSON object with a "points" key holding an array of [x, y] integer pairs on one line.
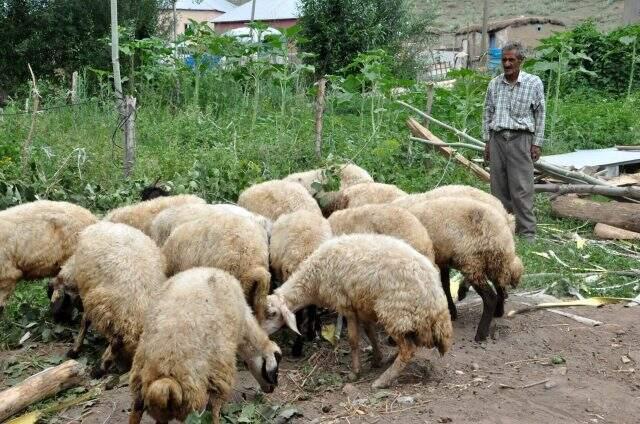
{"points": [[475, 383]]}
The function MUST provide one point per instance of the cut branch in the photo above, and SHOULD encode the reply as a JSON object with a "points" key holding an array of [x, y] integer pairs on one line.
{"points": [[631, 192], [617, 214], [433, 143], [608, 232]]}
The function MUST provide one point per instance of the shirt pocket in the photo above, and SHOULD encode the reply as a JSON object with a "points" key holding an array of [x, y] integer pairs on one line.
{"points": [[521, 108]]}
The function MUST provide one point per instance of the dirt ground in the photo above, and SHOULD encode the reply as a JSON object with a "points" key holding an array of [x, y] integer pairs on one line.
{"points": [[538, 368]]}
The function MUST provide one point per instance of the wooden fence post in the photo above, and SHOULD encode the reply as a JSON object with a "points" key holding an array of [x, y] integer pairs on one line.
{"points": [[430, 90], [74, 87], [129, 134], [322, 85]]}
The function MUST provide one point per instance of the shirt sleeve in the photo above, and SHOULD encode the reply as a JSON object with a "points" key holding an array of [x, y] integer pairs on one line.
{"points": [[489, 109], [539, 114]]}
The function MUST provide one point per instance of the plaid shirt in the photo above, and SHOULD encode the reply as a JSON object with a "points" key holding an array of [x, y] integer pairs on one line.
{"points": [[515, 107]]}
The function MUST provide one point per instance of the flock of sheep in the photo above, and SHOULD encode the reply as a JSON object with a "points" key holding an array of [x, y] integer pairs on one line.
{"points": [[180, 288]]}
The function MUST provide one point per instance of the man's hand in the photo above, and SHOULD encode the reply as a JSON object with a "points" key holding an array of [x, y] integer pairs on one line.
{"points": [[535, 153], [487, 156]]}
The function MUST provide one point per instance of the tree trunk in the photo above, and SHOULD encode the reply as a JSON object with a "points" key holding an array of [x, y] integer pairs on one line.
{"points": [[485, 34], [608, 232], [39, 386], [631, 192], [115, 55], [129, 135], [322, 85], [617, 214]]}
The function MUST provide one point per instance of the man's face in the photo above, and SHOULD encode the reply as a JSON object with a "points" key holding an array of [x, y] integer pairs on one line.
{"points": [[510, 63]]}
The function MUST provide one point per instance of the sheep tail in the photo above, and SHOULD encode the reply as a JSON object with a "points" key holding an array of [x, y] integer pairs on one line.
{"points": [[442, 332], [163, 395], [260, 280]]}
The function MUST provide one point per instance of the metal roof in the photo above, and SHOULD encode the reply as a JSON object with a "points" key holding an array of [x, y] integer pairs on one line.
{"points": [[595, 157], [266, 10], [219, 5]]}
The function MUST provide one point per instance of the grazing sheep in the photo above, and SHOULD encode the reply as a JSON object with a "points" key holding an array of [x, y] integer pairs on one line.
{"points": [[457, 191], [384, 219], [37, 239], [169, 219], [63, 293], [471, 237], [348, 174], [186, 357], [358, 195], [151, 192], [140, 215], [274, 198], [118, 270], [370, 278], [236, 244]]}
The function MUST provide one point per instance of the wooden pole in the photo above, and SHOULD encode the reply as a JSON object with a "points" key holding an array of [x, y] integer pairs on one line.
{"points": [[74, 87], [35, 104], [322, 85], [115, 55], [39, 386], [617, 214], [430, 90], [129, 135], [485, 25]]}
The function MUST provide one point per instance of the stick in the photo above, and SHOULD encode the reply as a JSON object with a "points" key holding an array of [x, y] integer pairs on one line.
{"points": [[433, 143], [26, 147], [631, 192], [322, 85], [430, 91], [40, 386], [537, 383]]}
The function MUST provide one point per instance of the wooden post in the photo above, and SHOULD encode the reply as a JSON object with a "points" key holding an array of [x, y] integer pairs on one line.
{"points": [[322, 85], [430, 90], [485, 25], [74, 87], [26, 146], [115, 56], [129, 135], [39, 386]]}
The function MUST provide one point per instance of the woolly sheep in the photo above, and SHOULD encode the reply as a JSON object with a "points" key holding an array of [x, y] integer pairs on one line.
{"points": [[457, 191], [370, 278], [471, 237], [118, 270], [384, 219], [358, 195], [37, 239], [140, 215], [274, 198], [349, 174], [187, 352], [169, 219], [236, 244]]}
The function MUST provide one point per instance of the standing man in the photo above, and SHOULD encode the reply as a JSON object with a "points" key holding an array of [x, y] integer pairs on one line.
{"points": [[513, 127]]}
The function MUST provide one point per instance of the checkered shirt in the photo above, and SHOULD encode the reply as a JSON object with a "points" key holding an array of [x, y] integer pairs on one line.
{"points": [[515, 107]]}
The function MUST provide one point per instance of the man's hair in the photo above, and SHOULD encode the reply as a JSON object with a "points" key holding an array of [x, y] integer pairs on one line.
{"points": [[514, 46]]}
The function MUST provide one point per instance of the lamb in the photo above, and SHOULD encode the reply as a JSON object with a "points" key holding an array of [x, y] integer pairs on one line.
{"points": [[457, 191], [187, 352], [358, 195], [370, 278], [169, 219], [274, 198], [384, 219], [471, 236], [118, 271], [37, 239], [140, 215], [236, 244], [349, 174]]}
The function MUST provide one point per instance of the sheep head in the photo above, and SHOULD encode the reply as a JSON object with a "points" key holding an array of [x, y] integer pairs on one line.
{"points": [[278, 314], [64, 298], [516, 270], [263, 365]]}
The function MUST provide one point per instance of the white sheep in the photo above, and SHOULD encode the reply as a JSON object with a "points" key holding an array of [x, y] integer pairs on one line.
{"points": [[186, 357], [370, 278], [349, 174], [37, 239], [274, 198]]}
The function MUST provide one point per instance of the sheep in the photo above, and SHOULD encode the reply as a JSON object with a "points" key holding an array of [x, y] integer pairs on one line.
{"points": [[186, 356], [369, 278], [63, 294], [276, 197], [37, 239], [457, 191], [358, 195], [118, 270], [349, 174], [471, 236], [295, 236], [236, 244], [153, 191], [167, 220], [140, 215], [384, 219]]}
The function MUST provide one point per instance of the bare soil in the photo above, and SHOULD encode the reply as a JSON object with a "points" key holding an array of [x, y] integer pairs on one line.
{"points": [[509, 379]]}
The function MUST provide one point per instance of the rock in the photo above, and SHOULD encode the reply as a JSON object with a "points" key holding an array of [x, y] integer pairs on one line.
{"points": [[550, 385], [326, 408], [625, 359], [360, 402], [406, 400], [475, 366], [350, 390], [459, 372], [286, 414], [445, 420], [635, 356], [620, 332], [560, 371]]}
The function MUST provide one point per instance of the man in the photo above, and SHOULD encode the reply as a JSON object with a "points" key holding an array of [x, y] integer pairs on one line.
{"points": [[513, 127]]}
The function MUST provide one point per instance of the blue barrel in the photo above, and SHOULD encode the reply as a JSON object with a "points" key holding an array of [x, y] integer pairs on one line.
{"points": [[495, 59]]}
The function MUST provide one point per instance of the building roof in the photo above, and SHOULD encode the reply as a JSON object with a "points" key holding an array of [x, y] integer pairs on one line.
{"points": [[219, 5], [513, 22], [594, 157], [266, 10]]}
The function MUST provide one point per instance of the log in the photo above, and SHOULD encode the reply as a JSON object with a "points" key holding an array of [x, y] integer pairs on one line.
{"points": [[631, 148], [319, 114], [630, 192], [617, 214], [421, 132], [40, 386], [607, 232]]}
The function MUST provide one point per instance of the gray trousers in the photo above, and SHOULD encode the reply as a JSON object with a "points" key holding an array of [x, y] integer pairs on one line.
{"points": [[512, 176]]}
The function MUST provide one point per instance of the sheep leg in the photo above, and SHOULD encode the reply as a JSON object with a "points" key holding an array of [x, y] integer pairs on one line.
{"points": [[406, 350], [216, 406], [377, 358], [77, 345], [108, 357], [502, 295], [298, 342], [353, 330], [445, 276], [489, 301], [137, 409]]}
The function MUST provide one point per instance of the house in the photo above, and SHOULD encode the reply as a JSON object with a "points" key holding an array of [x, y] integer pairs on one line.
{"points": [[529, 30], [275, 13], [199, 11]]}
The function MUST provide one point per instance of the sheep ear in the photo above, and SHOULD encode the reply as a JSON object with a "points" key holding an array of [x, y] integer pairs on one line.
{"points": [[290, 319]]}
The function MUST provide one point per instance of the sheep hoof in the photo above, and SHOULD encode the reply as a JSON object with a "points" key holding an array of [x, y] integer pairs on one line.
{"points": [[72, 354], [380, 384], [352, 376], [480, 337], [499, 312]]}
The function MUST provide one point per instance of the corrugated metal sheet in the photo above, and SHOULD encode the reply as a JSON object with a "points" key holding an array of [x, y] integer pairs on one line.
{"points": [[266, 10], [220, 5], [596, 157]]}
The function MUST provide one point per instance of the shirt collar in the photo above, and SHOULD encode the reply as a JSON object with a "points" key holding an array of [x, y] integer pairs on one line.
{"points": [[518, 81]]}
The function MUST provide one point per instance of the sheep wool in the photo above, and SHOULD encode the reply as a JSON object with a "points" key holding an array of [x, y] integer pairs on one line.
{"points": [[384, 219], [37, 239], [370, 278], [274, 198], [359, 195], [349, 174]]}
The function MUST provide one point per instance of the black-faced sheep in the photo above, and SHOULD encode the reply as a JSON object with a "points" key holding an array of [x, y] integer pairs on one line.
{"points": [[186, 357], [274, 198], [358, 195], [370, 278]]}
